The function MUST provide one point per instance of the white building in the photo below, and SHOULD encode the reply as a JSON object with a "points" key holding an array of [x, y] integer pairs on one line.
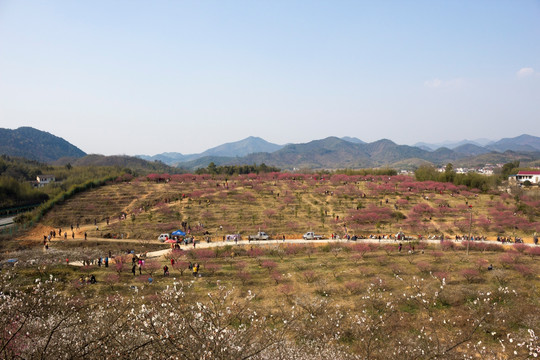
{"points": [[532, 176], [43, 180]]}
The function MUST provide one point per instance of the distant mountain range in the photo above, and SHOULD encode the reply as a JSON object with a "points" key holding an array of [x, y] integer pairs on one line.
{"points": [[519, 143], [333, 152], [453, 144], [37, 145], [239, 148], [329, 153]]}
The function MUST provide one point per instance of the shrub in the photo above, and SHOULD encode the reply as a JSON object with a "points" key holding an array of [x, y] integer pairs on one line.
{"points": [[509, 259], [361, 248], [269, 265], [287, 290], [293, 249], [447, 245], [310, 276], [475, 246], [494, 247], [357, 258], [501, 276], [244, 276], [382, 260], [533, 251], [424, 267], [180, 266], [143, 278], [119, 266], [353, 287], [150, 267], [255, 252], [437, 255], [389, 249], [524, 270], [481, 264], [212, 268], [276, 276], [442, 276], [240, 265], [521, 248], [379, 283], [112, 279], [396, 269], [470, 274]]}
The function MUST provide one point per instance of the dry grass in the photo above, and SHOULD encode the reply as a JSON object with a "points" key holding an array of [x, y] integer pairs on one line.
{"points": [[283, 206]]}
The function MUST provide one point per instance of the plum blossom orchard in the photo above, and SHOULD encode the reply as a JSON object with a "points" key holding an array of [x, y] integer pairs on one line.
{"points": [[286, 203], [346, 301]]}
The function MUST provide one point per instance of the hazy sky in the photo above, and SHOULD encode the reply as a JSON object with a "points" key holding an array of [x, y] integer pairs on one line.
{"points": [[145, 77]]}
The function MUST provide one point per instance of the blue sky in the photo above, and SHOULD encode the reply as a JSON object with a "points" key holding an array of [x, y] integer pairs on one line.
{"points": [[145, 77]]}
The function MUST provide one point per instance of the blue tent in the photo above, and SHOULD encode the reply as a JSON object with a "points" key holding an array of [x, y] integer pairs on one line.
{"points": [[178, 233]]}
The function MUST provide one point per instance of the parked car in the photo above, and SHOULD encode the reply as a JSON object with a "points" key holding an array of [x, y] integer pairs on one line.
{"points": [[310, 235], [261, 235], [164, 237]]}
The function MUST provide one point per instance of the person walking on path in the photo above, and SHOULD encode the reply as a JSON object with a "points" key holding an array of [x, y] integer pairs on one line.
{"points": [[133, 269]]}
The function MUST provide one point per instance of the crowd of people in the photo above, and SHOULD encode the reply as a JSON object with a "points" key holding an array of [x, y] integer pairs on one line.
{"points": [[515, 240]]}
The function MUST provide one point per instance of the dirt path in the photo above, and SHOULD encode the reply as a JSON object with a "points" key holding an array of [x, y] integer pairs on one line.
{"points": [[204, 245]]}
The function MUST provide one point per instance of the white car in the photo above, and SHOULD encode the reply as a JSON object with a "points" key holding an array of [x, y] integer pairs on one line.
{"points": [[311, 236], [163, 237]]}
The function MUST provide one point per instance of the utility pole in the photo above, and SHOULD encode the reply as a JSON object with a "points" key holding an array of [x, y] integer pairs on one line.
{"points": [[470, 230]]}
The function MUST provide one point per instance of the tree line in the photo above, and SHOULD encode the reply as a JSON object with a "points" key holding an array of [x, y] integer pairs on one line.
{"points": [[213, 169], [471, 180]]}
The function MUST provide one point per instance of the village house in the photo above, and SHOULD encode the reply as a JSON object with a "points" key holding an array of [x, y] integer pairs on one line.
{"points": [[43, 180], [522, 176]]}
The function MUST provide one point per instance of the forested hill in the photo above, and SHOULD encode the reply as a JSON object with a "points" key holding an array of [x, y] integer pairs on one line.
{"points": [[35, 144], [122, 161]]}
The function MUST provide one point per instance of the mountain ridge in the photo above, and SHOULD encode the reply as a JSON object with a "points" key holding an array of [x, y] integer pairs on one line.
{"points": [[328, 153], [34, 144]]}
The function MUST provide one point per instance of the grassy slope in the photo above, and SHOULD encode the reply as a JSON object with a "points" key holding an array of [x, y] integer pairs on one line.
{"points": [[291, 207]]}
